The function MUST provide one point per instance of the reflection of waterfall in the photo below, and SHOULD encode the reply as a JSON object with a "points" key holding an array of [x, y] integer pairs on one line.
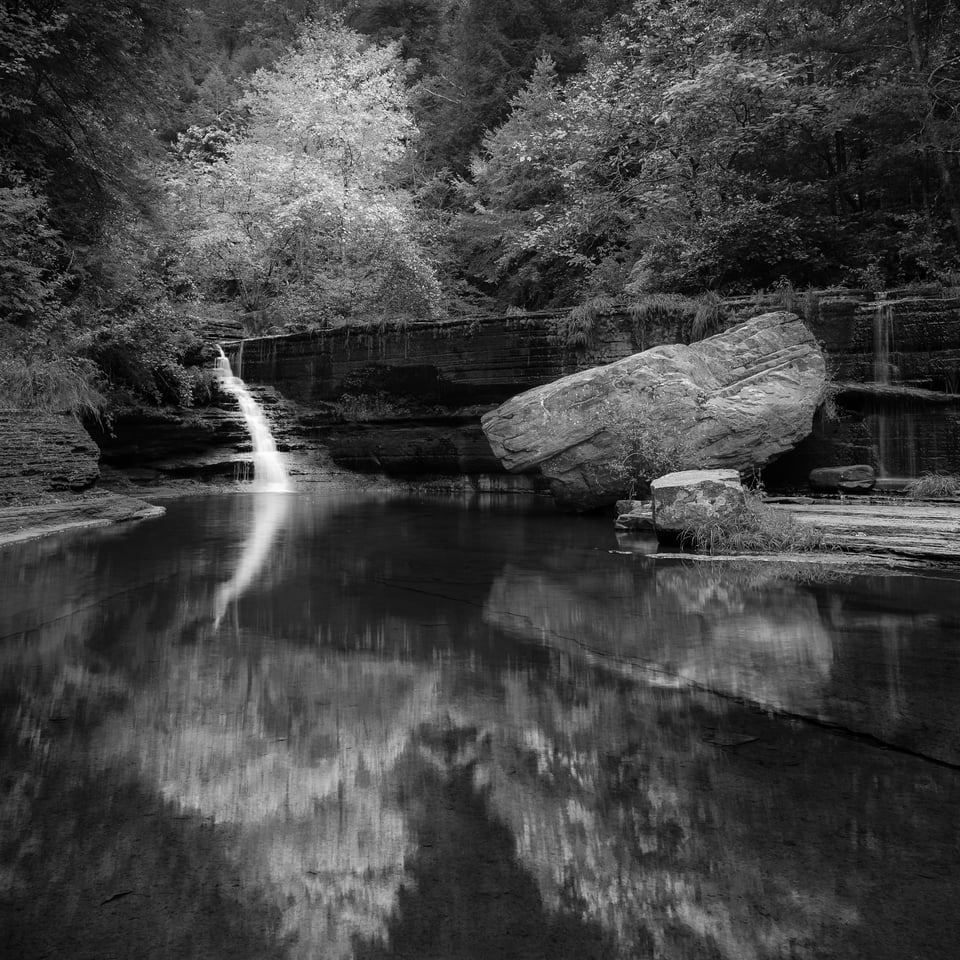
{"points": [[269, 473], [882, 350], [896, 431], [270, 511]]}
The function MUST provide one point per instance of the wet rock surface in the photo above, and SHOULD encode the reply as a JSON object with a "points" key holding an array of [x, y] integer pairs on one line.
{"points": [[454, 363], [856, 478], [44, 452], [28, 522], [452, 444], [152, 437], [634, 515], [918, 531], [737, 400], [454, 369]]}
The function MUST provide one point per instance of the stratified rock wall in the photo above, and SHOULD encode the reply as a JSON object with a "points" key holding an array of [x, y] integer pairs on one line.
{"points": [[910, 341], [407, 398], [43, 453], [449, 362], [894, 364]]}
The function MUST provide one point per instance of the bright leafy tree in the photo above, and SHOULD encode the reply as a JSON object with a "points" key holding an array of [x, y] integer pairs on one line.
{"points": [[300, 210]]}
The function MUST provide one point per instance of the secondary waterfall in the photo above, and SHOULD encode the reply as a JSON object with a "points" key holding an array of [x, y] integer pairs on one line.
{"points": [[893, 415], [269, 472], [884, 345]]}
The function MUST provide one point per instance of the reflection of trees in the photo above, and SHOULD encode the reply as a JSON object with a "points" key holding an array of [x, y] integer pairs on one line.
{"points": [[625, 816], [397, 732], [298, 749], [467, 896]]}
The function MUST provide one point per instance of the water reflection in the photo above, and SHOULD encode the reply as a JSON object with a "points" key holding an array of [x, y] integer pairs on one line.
{"points": [[436, 731], [743, 633], [270, 511]]}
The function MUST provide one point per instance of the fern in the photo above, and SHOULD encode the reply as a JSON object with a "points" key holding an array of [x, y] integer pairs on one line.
{"points": [[692, 318], [579, 328], [60, 384]]}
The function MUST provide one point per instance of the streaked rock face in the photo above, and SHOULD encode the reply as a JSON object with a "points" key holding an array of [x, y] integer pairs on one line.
{"points": [[737, 401], [44, 452]]}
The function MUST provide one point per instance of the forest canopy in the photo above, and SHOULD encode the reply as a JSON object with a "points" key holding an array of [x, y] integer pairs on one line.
{"points": [[305, 163]]}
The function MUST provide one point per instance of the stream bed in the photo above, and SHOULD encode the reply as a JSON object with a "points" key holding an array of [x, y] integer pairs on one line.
{"points": [[374, 726]]}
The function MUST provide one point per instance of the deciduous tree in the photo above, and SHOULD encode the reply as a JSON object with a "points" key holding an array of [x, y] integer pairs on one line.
{"points": [[300, 209]]}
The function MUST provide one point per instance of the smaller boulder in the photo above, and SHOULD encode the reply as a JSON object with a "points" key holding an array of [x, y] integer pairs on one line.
{"points": [[691, 497], [634, 515], [856, 478]]}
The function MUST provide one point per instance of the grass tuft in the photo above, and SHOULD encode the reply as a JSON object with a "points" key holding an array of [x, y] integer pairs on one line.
{"points": [[756, 528], [692, 318], [934, 486], [579, 328], [61, 385]]}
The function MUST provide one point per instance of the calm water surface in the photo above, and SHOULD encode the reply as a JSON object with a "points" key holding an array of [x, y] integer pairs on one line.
{"points": [[368, 727]]}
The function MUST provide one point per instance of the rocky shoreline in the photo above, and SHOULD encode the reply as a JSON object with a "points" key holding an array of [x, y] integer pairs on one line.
{"points": [[28, 521], [873, 531], [890, 533]]}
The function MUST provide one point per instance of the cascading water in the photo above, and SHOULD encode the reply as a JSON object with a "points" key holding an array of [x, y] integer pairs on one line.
{"points": [[269, 472], [884, 345], [893, 415]]}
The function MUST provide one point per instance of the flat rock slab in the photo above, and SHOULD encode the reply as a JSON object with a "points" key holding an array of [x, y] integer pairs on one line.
{"points": [[913, 530], [29, 522]]}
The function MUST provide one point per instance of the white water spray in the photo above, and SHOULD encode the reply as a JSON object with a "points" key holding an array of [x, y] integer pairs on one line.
{"points": [[269, 472]]}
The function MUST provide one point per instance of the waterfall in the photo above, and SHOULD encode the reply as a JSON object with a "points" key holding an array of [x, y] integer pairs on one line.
{"points": [[896, 442], [884, 347], [269, 472]]}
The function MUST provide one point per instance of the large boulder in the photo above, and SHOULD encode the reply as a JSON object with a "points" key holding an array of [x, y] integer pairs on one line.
{"points": [[736, 400], [689, 498]]}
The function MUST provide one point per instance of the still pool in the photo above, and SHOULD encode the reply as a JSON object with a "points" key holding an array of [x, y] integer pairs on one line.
{"points": [[373, 726]]}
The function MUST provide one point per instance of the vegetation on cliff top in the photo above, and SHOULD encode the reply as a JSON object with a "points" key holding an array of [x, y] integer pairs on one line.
{"points": [[317, 162]]}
